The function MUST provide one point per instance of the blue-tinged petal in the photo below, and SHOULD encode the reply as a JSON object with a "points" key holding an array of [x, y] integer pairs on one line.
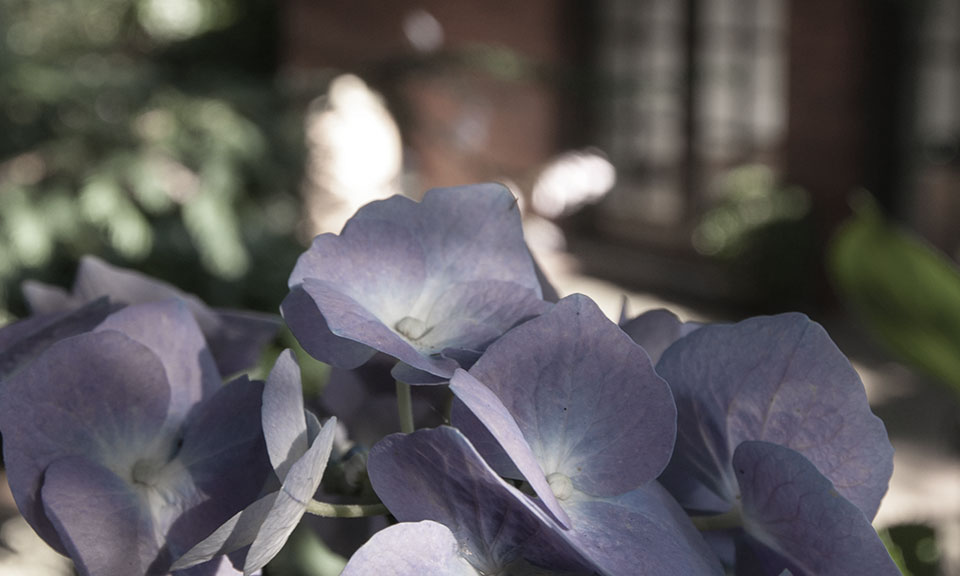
{"points": [[377, 263], [169, 330], [307, 323], [101, 520], [22, 341], [436, 475], [239, 338], [498, 421], [779, 379], [284, 425], [239, 531], [470, 315], [77, 400], [365, 401], [641, 532], [386, 281], [656, 330], [789, 506], [46, 299], [348, 319], [221, 468], [236, 338], [467, 233], [410, 549], [585, 397], [266, 524], [291, 504]]}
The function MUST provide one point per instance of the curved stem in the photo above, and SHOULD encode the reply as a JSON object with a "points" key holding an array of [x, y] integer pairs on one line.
{"points": [[405, 407], [328, 510], [729, 519]]}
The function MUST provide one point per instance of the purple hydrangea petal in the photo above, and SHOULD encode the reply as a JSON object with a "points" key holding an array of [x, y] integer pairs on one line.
{"points": [[435, 474], [101, 520], [310, 327], [76, 400], [169, 330], [585, 397], [236, 338], [348, 319], [396, 261], [365, 401], [641, 532], [239, 338], [410, 549], [779, 379], [656, 330], [792, 508], [467, 233], [299, 486], [224, 461], [470, 315], [239, 531], [498, 421], [284, 427], [22, 341], [46, 299], [266, 524]]}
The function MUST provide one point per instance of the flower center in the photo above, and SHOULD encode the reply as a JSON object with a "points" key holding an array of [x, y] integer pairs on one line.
{"points": [[412, 328], [560, 485]]}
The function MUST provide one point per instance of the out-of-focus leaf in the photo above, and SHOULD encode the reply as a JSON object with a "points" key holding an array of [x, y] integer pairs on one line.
{"points": [[906, 292]]}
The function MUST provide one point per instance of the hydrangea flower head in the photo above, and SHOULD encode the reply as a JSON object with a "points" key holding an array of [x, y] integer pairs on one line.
{"points": [[774, 427], [427, 283], [122, 446]]}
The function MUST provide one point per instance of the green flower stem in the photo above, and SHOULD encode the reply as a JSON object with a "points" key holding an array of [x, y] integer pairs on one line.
{"points": [[729, 519], [404, 407], [327, 510]]}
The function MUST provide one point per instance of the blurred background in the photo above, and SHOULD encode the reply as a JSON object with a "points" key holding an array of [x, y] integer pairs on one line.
{"points": [[718, 157]]}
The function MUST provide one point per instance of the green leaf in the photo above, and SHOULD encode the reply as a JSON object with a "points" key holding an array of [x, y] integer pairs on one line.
{"points": [[906, 292]]}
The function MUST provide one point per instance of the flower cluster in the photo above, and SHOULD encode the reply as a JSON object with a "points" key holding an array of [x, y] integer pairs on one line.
{"points": [[559, 442]]}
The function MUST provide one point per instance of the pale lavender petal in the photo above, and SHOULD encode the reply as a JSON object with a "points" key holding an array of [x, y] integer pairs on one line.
{"points": [[284, 425], [291, 503], [236, 338], [77, 400], [498, 421], [348, 319], [656, 330], [779, 379], [239, 531], [239, 338], [436, 475], [101, 521], [309, 326], [169, 330], [95, 278], [585, 397], [792, 508], [266, 524], [467, 233], [46, 299], [641, 532], [410, 549], [223, 437], [365, 401], [377, 263], [470, 315], [21, 341]]}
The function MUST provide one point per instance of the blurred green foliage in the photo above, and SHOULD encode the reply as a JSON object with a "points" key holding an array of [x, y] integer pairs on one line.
{"points": [[906, 292], [914, 549], [762, 227], [152, 133]]}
